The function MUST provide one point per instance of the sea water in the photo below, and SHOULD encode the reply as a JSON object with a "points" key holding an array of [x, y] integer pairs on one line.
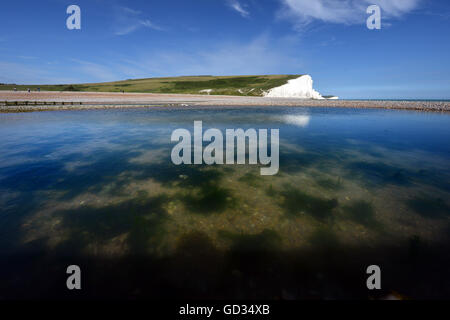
{"points": [[98, 189]]}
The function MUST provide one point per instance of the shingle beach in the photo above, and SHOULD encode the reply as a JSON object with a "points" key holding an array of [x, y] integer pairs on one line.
{"points": [[93, 100]]}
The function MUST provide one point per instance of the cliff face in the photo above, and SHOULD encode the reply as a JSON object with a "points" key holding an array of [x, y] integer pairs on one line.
{"points": [[301, 87]]}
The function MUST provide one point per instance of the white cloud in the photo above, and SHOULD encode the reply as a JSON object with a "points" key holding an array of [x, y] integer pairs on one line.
{"points": [[234, 4], [27, 57], [296, 120], [147, 23], [95, 71], [129, 20], [303, 12], [262, 55], [124, 30], [395, 8], [131, 11], [21, 73]]}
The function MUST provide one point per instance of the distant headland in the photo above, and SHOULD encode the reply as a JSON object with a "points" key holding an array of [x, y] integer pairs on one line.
{"points": [[284, 86]]}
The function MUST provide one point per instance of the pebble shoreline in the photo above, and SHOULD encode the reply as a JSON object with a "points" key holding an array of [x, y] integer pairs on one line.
{"points": [[94, 100]]}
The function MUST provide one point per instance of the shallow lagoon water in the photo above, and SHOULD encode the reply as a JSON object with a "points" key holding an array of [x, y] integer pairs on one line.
{"points": [[98, 189]]}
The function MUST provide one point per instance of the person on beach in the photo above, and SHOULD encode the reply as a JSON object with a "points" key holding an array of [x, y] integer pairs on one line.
{"points": [[29, 90]]}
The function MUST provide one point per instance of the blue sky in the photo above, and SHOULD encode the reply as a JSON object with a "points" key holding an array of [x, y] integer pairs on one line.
{"points": [[328, 39]]}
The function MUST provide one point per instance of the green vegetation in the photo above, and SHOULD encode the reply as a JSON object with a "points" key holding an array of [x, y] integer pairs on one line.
{"points": [[223, 85]]}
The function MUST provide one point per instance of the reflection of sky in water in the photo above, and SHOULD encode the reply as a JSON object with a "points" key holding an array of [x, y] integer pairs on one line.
{"points": [[102, 183]]}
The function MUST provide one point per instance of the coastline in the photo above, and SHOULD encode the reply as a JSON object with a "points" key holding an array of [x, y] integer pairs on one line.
{"points": [[111, 100]]}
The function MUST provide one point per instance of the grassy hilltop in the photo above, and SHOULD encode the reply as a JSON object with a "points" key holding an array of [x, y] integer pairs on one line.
{"points": [[220, 85]]}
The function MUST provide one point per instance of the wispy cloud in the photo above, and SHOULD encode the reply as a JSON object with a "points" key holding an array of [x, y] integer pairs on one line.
{"points": [[95, 71], [264, 54], [72, 71], [24, 73], [303, 12], [27, 57], [235, 5], [129, 20], [147, 23], [131, 11]]}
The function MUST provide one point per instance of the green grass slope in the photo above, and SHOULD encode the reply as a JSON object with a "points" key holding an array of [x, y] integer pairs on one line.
{"points": [[220, 85]]}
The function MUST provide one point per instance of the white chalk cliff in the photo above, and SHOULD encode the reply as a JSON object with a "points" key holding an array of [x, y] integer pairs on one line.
{"points": [[301, 87]]}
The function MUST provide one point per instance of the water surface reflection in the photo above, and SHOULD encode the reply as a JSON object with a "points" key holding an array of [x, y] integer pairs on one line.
{"points": [[98, 189]]}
